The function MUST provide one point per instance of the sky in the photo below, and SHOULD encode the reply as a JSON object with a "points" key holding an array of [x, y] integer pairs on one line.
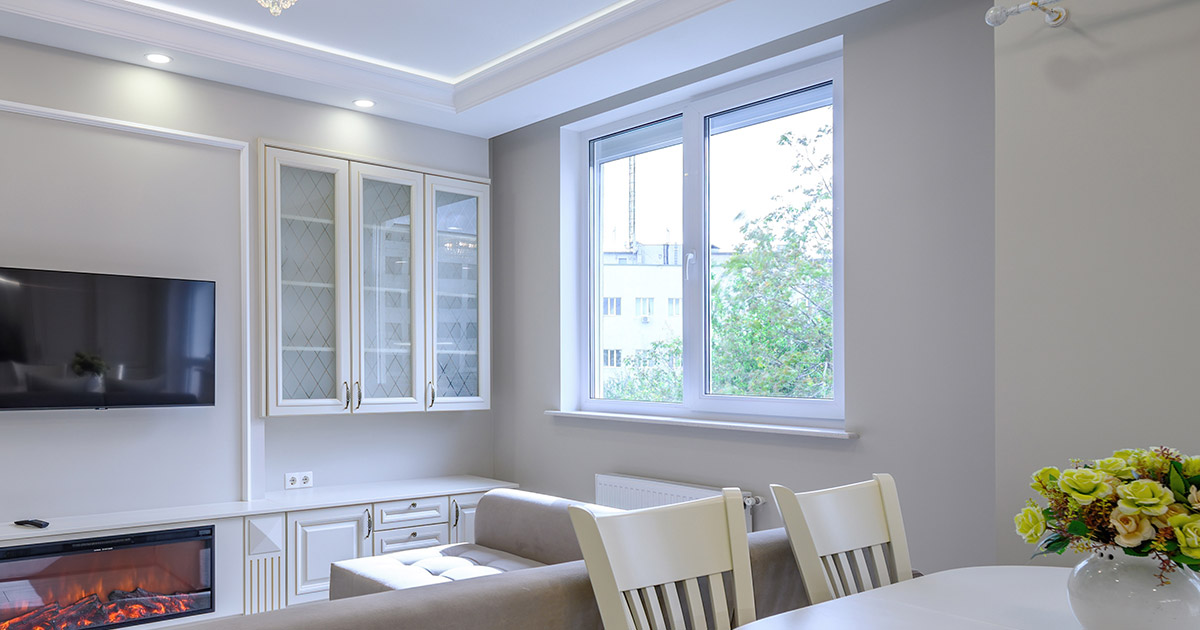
{"points": [[748, 169]]}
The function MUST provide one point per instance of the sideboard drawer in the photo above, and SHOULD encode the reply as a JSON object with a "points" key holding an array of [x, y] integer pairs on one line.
{"points": [[411, 512], [391, 540]]}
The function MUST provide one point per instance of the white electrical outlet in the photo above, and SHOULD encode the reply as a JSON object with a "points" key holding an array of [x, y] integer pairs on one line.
{"points": [[291, 481]]}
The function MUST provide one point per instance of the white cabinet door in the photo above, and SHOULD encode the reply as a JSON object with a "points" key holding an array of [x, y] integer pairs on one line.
{"points": [[308, 296], [317, 539], [462, 511], [388, 275], [459, 277]]}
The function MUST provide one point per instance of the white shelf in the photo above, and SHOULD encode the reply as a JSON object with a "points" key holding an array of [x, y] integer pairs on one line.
{"points": [[385, 290], [314, 285], [296, 217], [306, 349]]}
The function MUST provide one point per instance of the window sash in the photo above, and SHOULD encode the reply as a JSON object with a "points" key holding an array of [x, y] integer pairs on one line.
{"points": [[697, 267]]}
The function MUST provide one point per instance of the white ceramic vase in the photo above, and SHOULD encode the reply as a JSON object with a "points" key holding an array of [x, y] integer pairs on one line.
{"points": [[1112, 591]]}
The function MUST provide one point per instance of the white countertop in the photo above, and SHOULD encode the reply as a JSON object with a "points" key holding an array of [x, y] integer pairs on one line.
{"points": [[280, 501]]}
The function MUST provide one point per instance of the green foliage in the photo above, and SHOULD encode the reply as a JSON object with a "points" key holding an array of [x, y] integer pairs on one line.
{"points": [[653, 375], [772, 300]]}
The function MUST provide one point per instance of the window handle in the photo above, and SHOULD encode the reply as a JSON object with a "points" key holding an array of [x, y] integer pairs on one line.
{"points": [[687, 265]]}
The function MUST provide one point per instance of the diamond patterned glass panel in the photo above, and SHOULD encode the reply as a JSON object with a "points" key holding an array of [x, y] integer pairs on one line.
{"points": [[456, 311], [387, 280], [308, 303]]}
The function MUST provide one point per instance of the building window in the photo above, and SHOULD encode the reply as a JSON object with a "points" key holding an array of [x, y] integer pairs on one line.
{"points": [[612, 358], [612, 306], [751, 243]]}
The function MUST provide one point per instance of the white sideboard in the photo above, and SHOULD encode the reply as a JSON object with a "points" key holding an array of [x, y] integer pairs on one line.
{"points": [[276, 551]]}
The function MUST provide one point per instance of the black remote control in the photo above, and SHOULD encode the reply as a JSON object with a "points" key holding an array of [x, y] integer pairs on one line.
{"points": [[32, 522]]}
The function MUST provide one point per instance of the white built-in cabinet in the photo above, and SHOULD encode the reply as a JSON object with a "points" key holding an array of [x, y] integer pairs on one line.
{"points": [[318, 539], [462, 526], [377, 288]]}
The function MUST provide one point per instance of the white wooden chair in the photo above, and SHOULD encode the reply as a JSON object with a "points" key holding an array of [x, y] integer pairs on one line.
{"points": [[648, 567], [847, 539]]}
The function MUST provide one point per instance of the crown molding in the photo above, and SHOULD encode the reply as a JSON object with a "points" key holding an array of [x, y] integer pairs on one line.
{"points": [[596, 35]]}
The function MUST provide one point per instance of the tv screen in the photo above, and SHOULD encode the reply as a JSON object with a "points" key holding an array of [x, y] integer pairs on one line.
{"points": [[84, 340]]}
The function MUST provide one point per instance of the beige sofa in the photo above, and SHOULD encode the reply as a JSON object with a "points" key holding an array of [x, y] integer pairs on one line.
{"points": [[556, 595]]}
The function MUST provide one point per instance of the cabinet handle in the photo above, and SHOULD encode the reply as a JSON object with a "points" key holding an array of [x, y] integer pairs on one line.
{"points": [[370, 523], [413, 506], [413, 535], [358, 388], [432, 394], [455, 513], [346, 384]]}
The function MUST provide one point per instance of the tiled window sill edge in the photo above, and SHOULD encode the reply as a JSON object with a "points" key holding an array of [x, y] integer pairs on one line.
{"points": [[727, 425]]}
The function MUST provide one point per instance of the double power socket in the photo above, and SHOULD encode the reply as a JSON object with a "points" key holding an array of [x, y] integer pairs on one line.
{"points": [[292, 481]]}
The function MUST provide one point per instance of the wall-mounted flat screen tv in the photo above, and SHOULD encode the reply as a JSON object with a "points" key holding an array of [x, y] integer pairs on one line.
{"points": [[84, 340]]}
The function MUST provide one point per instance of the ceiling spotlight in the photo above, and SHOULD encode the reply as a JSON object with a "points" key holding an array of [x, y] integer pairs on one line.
{"points": [[999, 15], [157, 58], [364, 103]]}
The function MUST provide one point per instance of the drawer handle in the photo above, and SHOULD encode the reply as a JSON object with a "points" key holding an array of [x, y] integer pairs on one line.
{"points": [[413, 535], [413, 506]]}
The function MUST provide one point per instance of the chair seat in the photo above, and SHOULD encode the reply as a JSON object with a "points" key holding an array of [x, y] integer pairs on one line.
{"points": [[419, 567]]}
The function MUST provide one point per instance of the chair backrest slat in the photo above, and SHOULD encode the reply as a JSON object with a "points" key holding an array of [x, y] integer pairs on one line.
{"points": [[847, 539], [639, 560]]}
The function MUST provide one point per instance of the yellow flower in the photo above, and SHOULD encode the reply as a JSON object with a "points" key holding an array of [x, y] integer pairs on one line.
{"points": [[1031, 524], [1144, 496], [1116, 467], [1175, 509], [1129, 454], [1046, 478], [1187, 532], [1085, 485], [1132, 529], [1191, 467], [1194, 498]]}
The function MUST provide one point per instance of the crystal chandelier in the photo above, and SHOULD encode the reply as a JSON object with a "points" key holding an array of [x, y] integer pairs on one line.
{"points": [[276, 6]]}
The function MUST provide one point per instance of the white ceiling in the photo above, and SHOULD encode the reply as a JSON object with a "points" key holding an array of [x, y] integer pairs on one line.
{"points": [[472, 66]]}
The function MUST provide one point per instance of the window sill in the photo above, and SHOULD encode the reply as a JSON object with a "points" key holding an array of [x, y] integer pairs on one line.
{"points": [[726, 425]]}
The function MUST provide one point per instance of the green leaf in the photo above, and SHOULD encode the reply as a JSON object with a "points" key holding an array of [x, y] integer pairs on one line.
{"points": [[1172, 546], [1048, 513], [1138, 551], [1177, 483], [1078, 528], [1186, 560], [1194, 481]]}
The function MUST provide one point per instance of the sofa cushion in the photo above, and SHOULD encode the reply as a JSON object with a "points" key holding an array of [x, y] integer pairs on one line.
{"points": [[530, 525], [418, 567]]}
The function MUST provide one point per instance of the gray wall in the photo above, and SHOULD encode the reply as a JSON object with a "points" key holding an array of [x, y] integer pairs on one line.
{"points": [[71, 462], [919, 295], [1096, 230]]}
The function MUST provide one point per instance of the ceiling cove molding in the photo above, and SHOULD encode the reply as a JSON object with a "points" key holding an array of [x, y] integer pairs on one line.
{"points": [[575, 45], [182, 34], [175, 32]]}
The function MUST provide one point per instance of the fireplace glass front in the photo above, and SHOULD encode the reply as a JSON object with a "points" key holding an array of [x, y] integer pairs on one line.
{"points": [[107, 582]]}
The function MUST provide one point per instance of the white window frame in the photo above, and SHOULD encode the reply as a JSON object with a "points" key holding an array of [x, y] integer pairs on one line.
{"points": [[700, 408], [674, 306], [611, 307]]}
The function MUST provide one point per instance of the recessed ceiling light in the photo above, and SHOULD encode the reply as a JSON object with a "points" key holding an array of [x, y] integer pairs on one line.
{"points": [[157, 58], [364, 103]]}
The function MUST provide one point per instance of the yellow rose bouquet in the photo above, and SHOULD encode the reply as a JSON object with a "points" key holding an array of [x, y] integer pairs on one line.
{"points": [[1145, 501]]}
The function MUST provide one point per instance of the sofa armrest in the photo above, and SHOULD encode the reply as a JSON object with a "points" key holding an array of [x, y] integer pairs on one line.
{"points": [[528, 524]]}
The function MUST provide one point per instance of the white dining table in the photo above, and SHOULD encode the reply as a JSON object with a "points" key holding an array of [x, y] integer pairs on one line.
{"points": [[975, 598]]}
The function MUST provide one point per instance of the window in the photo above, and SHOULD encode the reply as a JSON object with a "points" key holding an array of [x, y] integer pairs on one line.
{"points": [[612, 358], [612, 306], [751, 243]]}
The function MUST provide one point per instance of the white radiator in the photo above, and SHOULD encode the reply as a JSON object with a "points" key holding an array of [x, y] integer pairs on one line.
{"points": [[631, 493]]}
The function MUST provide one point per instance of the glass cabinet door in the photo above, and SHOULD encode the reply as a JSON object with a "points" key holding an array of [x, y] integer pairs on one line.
{"points": [[388, 307], [307, 201], [460, 294]]}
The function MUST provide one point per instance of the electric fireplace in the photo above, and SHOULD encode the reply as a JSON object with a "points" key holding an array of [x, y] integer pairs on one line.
{"points": [[107, 582]]}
